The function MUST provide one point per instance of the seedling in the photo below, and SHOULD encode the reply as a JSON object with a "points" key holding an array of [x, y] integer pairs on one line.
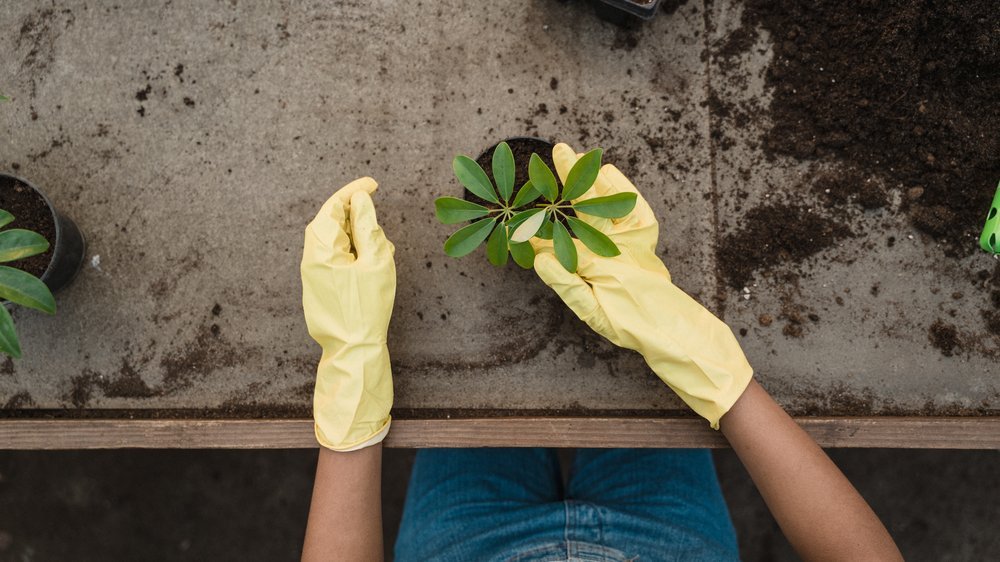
{"points": [[18, 286], [510, 220]]}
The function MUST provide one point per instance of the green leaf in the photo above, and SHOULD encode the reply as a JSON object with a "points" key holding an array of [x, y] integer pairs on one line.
{"points": [[8, 337], [496, 247], [528, 226], [564, 247], [5, 218], [25, 289], [18, 243], [520, 217], [503, 170], [451, 210], [545, 233], [583, 175], [525, 195], [523, 254], [610, 207], [5, 98], [472, 176], [468, 238], [593, 238], [542, 178]]}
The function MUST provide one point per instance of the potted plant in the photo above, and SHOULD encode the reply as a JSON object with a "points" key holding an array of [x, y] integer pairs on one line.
{"points": [[31, 268], [506, 219]]}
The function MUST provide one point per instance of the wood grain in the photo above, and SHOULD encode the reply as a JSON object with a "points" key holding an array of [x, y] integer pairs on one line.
{"points": [[894, 432]]}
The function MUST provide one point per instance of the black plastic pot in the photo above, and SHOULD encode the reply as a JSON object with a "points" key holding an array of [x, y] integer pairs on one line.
{"points": [[544, 149], [68, 249], [618, 11]]}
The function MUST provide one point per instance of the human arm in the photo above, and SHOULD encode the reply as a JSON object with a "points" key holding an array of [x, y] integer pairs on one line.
{"points": [[820, 512], [345, 517], [348, 288], [630, 300]]}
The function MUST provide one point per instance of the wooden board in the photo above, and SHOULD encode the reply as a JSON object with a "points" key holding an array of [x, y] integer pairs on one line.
{"points": [[893, 432]]}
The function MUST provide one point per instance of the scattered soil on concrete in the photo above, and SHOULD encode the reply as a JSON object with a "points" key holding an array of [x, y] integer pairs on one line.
{"points": [[773, 234], [944, 336], [847, 186], [19, 400], [31, 213], [905, 89]]}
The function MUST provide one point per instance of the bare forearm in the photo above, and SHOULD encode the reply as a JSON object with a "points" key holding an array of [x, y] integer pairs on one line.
{"points": [[345, 518], [818, 509]]}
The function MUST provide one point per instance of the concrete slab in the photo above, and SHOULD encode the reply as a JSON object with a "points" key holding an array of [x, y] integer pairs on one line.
{"points": [[193, 143]]}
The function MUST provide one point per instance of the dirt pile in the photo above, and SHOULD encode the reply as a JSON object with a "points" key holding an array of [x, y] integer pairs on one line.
{"points": [[904, 88]]}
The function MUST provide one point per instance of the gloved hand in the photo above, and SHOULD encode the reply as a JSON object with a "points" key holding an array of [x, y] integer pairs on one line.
{"points": [[348, 289], [630, 300]]}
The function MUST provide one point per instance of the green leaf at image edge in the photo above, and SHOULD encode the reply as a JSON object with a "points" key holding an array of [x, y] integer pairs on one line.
{"points": [[542, 178], [472, 176], [503, 170], [17, 243], [451, 210], [593, 239], [564, 247], [525, 195], [523, 254], [8, 336], [496, 247], [5, 218], [468, 238], [610, 207], [25, 289], [582, 175]]}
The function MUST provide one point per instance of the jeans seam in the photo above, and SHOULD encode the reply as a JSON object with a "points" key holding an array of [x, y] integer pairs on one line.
{"points": [[566, 527]]}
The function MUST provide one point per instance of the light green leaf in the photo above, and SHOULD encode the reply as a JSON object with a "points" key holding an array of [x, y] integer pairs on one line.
{"points": [[583, 175], [525, 195], [520, 217], [565, 249], [593, 239], [467, 238], [545, 233], [472, 176], [542, 178], [503, 170], [18, 243], [25, 289], [610, 207], [4, 98], [496, 247], [8, 336], [529, 226], [451, 210], [523, 254], [5, 218]]}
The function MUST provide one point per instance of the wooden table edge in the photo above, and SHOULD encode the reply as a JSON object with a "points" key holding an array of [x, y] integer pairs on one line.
{"points": [[891, 432]]}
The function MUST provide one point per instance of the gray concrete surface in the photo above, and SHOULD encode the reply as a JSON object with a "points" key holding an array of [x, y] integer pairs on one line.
{"points": [[249, 506], [192, 142]]}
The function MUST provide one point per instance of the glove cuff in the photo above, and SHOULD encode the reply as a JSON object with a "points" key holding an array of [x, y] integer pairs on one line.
{"points": [[373, 439]]}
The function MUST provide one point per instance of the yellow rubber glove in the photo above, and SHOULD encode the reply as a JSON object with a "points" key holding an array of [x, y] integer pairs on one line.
{"points": [[630, 300], [348, 289]]}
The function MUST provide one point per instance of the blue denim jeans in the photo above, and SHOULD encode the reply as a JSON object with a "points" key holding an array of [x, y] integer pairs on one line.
{"points": [[619, 504]]}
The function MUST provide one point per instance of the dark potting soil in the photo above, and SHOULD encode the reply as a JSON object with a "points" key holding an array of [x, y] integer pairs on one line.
{"points": [[30, 213], [773, 234], [906, 89], [522, 149]]}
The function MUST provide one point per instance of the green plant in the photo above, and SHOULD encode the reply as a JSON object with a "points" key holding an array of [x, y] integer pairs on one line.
{"points": [[19, 286], [4, 98], [508, 221]]}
